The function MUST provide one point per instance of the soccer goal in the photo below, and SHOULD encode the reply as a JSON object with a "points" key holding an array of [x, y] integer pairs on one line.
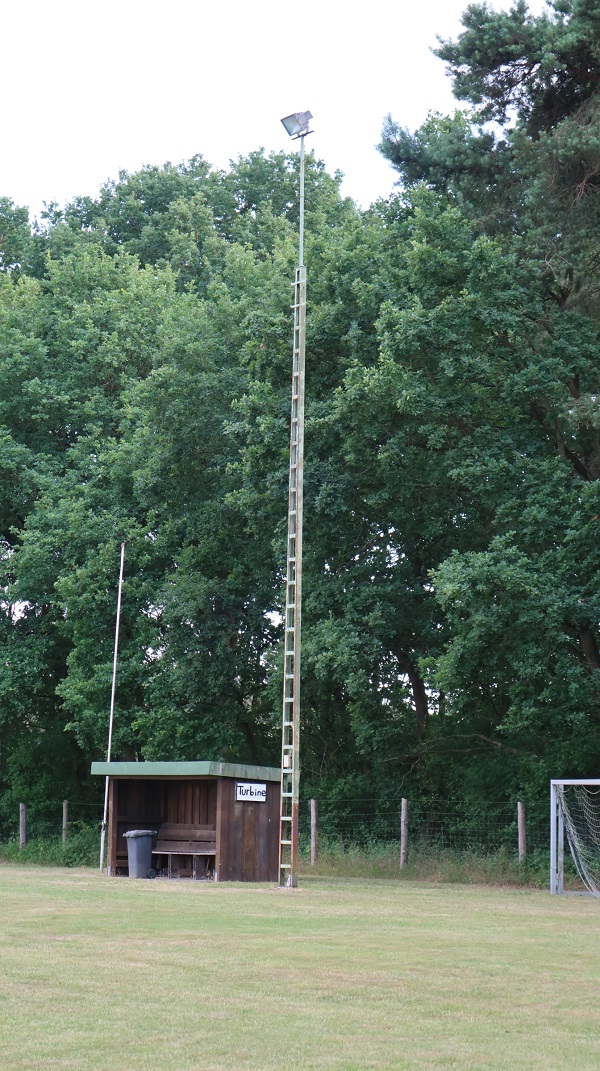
{"points": [[575, 811]]}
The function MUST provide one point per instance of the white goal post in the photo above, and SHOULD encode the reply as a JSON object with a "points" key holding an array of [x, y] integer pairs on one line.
{"points": [[575, 810]]}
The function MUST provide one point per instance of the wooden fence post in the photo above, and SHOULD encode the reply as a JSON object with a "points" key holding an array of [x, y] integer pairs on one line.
{"points": [[22, 825], [404, 833], [65, 821], [521, 830], [314, 832]]}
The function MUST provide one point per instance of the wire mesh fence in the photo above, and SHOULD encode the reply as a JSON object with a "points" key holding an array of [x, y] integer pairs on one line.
{"points": [[433, 825], [38, 824]]}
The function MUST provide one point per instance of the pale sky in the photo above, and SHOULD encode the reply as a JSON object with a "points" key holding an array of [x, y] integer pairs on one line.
{"points": [[92, 88]]}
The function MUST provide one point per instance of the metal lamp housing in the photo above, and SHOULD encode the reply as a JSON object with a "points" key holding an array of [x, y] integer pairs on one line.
{"points": [[297, 124]]}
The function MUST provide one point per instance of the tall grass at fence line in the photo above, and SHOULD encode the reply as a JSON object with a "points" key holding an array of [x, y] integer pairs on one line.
{"points": [[453, 866], [82, 848]]}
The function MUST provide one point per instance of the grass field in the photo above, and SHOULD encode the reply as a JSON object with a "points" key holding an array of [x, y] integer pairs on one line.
{"points": [[102, 974]]}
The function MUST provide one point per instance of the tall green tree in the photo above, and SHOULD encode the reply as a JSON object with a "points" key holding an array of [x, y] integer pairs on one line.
{"points": [[522, 611]]}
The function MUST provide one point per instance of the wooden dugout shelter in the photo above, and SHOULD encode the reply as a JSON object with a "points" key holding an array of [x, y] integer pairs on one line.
{"points": [[212, 818]]}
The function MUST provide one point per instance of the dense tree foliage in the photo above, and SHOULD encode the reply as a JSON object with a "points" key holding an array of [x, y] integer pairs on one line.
{"points": [[523, 608], [452, 599]]}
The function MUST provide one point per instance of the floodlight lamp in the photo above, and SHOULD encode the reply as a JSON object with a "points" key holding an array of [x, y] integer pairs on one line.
{"points": [[297, 124]]}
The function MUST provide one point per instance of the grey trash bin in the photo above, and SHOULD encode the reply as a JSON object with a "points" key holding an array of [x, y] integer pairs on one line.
{"points": [[139, 852]]}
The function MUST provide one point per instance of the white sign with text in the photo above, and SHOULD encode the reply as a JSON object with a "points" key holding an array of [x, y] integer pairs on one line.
{"points": [[250, 793]]}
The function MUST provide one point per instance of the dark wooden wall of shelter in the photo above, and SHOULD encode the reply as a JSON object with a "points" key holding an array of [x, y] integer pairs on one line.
{"points": [[247, 835], [192, 803]]}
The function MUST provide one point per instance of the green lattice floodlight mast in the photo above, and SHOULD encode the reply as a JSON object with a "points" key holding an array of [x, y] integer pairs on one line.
{"points": [[297, 126]]}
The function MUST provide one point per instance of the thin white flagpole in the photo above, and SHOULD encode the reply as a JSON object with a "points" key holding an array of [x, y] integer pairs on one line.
{"points": [[112, 706]]}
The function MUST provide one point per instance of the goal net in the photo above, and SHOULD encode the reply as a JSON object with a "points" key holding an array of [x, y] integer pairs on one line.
{"points": [[577, 814]]}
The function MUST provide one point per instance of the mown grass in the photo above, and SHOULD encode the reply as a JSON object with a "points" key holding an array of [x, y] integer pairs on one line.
{"points": [[99, 974]]}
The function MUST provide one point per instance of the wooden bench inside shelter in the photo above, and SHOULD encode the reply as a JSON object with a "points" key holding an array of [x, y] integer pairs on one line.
{"points": [[178, 843]]}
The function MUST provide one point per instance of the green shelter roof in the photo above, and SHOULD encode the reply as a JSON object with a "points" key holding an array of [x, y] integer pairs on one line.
{"points": [[187, 769]]}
